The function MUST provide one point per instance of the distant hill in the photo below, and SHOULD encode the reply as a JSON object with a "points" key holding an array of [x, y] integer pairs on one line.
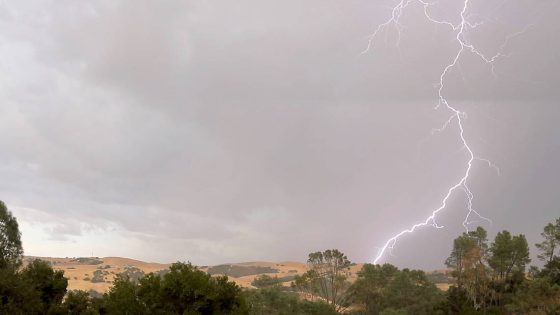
{"points": [[94, 273], [97, 274]]}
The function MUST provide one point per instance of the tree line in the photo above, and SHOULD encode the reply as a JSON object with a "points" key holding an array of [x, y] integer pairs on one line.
{"points": [[486, 278]]}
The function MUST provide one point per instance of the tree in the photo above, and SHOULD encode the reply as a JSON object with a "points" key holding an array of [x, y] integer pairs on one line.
{"points": [[11, 251], [49, 284], [370, 287], [17, 296], [37, 289], [327, 275], [78, 302], [122, 298], [386, 289], [271, 301], [306, 284], [183, 290], [186, 289], [411, 291], [150, 293], [552, 271], [458, 302], [468, 254], [468, 258], [265, 281], [551, 243], [509, 254], [536, 296], [274, 301]]}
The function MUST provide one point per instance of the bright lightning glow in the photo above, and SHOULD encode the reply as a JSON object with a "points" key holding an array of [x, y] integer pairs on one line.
{"points": [[456, 115]]}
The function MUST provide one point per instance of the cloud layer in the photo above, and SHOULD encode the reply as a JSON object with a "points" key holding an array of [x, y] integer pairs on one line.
{"points": [[249, 130]]}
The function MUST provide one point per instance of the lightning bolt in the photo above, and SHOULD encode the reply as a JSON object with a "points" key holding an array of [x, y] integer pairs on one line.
{"points": [[456, 116]]}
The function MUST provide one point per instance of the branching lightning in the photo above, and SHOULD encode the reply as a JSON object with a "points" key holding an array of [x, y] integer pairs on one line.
{"points": [[457, 117]]}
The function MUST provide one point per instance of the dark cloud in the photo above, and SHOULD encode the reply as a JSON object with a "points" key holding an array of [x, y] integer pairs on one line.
{"points": [[258, 130]]}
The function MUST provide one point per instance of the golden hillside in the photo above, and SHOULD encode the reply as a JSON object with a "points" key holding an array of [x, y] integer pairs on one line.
{"points": [[94, 273]]}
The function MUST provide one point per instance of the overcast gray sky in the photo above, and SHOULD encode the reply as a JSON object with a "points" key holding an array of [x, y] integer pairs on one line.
{"points": [[221, 131]]}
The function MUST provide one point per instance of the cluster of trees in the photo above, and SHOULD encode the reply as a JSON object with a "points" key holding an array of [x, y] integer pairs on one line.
{"points": [[38, 289], [384, 289], [326, 278], [184, 289], [494, 279], [280, 300], [488, 278], [35, 289]]}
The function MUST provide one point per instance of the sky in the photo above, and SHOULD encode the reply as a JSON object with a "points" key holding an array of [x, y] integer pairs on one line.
{"points": [[228, 131]]}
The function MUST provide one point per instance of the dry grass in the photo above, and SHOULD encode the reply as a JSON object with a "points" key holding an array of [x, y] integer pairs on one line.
{"points": [[77, 271]]}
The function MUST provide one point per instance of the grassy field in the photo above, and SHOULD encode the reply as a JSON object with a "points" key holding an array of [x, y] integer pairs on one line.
{"points": [[94, 273]]}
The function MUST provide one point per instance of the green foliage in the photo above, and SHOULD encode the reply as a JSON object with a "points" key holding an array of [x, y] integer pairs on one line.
{"points": [[37, 289], [78, 302], [326, 277], [122, 298], [551, 241], [537, 296], [11, 250], [87, 261], [133, 273], [468, 255], [17, 296], [387, 289], [468, 260], [509, 255], [458, 302], [51, 285], [240, 271], [98, 276], [439, 277], [552, 270], [549, 249], [265, 281], [393, 311], [493, 280], [274, 301], [489, 280], [183, 290], [150, 293]]}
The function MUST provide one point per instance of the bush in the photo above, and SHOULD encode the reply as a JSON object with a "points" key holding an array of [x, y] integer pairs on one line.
{"points": [[240, 271], [87, 260], [133, 273], [274, 301], [98, 276], [265, 281], [183, 290]]}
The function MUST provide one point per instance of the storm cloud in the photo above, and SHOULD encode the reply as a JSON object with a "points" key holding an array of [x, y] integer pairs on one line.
{"points": [[219, 131]]}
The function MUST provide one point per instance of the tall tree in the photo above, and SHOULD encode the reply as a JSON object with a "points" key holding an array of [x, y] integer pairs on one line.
{"points": [[11, 251], [469, 252], [509, 254], [537, 296], [122, 298], [77, 302], [468, 260], [370, 289], [552, 270], [328, 271], [385, 289], [49, 284], [185, 289], [551, 243]]}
